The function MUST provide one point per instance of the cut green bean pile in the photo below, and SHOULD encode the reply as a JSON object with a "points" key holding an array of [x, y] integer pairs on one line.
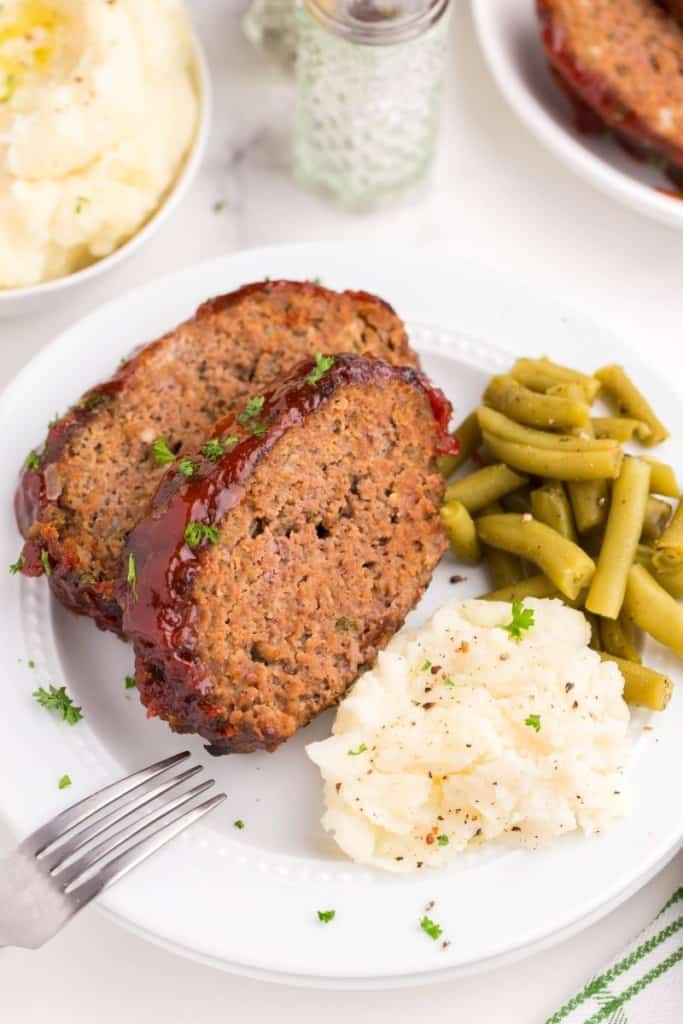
{"points": [[555, 509]]}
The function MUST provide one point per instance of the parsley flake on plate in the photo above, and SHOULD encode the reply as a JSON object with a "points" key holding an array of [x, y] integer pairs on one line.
{"points": [[430, 928], [161, 453], [45, 559], [238, 823], [354, 753], [195, 533], [322, 365], [522, 618], [15, 567], [130, 683], [57, 699], [534, 722], [64, 782], [31, 663], [218, 206], [326, 916], [32, 460]]}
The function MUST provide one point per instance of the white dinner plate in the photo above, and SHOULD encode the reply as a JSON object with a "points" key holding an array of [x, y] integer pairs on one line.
{"points": [[246, 900], [509, 35]]}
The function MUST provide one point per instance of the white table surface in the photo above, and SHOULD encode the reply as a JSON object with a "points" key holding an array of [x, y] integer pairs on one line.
{"points": [[502, 200]]}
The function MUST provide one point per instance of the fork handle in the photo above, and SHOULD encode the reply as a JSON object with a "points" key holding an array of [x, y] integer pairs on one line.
{"points": [[31, 910]]}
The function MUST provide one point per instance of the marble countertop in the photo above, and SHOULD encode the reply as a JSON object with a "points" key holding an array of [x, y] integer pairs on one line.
{"points": [[497, 198]]}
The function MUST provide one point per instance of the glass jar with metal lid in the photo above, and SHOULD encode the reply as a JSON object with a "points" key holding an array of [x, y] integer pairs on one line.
{"points": [[369, 76]]}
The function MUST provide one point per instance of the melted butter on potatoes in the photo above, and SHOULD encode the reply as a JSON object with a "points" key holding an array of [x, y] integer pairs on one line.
{"points": [[463, 734], [98, 108]]}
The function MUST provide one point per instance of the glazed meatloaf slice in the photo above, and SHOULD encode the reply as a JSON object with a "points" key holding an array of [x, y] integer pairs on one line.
{"points": [[258, 589], [621, 62], [81, 494]]}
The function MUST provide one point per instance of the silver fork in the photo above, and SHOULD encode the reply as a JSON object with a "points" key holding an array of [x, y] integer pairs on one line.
{"points": [[55, 872]]}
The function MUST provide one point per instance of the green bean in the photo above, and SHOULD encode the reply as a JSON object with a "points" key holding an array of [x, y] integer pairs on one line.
{"points": [[551, 412], [624, 526], [568, 389], [542, 374], [533, 586], [504, 569], [549, 504], [663, 479], [657, 516], [469, 436], [642, 686], [618, 637], [669, 547], [564, 563], [629, 401], [669, 577], [594, 622], [492, 422], [621, 428], [589, 499], [559, 465], [653, 609], [477, 490], [461, 532]]}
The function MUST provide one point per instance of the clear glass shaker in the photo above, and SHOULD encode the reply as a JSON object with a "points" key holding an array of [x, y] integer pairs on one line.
{"points": [[270, 26], [369, 76]]}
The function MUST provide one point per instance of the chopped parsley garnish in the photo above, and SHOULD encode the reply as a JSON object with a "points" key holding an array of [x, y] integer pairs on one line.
{"points": [[322, 365], [91, 401], [534, 722], [45, 559], [522, 618], [87, 577], [57, 699], [195, 533], [15, 567], [426, 665], [11, 83], [53, 421], [344, 623], [130, 683], [31, 663], [251, 409], [64, 782], [317, 280], [448, 681], [218, 206], [186, 467], [430, 928], [80, 204], [132, 577], [214, 448], [443, 840], [326, 916], [361, 750], [258, 428], [161, 453], [238, 823], [32, 459]]}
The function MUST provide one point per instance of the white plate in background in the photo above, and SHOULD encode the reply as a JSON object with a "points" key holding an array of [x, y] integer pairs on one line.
{"points": [[246, 900], [509, 34]]}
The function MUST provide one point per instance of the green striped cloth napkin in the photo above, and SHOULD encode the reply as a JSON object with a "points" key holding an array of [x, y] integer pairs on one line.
{"points": [[642, 986]]}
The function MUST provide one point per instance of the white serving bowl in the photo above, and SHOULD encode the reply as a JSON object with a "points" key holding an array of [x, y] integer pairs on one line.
{"points": [[39, 297]]}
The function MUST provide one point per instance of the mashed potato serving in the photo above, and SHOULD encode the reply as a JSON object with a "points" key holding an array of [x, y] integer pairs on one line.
{"points": [[466, 732], [98, 108]]}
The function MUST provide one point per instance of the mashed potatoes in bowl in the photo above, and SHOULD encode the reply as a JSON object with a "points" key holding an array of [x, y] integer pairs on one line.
{"points": [[98, 109], [465, 732]]}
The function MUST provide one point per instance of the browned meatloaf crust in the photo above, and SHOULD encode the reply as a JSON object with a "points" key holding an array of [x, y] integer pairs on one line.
{"points": [[257, 590], [621, 61], [97, 472]]}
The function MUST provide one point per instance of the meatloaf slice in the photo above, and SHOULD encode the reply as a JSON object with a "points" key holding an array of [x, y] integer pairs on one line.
{"points": [[621, 61], [103, 460], [258, 589]]}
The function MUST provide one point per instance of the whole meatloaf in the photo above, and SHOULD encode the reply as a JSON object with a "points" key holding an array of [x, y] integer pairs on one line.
{"points": [[80, 495], [257, 589], [621, 62]]}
